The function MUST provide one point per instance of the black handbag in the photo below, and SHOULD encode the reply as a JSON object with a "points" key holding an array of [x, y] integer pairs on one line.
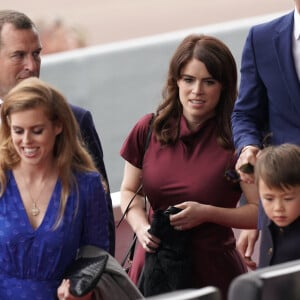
{"points": [[169, 267], [84, 274]]}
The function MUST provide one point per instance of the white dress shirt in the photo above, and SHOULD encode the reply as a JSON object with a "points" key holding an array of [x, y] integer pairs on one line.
{"points": [[296, 42]]}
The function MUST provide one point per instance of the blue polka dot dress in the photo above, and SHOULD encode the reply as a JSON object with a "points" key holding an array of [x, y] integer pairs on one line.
{"points": [[32, 261]]}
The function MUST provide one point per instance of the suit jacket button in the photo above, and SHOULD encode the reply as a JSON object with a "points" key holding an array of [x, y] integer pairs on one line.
{"points": [[270, 251]]}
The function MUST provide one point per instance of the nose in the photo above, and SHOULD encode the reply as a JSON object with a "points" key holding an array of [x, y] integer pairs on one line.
{"points": [[197, 88], [27, 137], [31, 64], [278, 205]]}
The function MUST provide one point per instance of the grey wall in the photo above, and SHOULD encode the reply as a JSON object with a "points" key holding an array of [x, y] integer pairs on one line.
{"points": [[120, 82]]}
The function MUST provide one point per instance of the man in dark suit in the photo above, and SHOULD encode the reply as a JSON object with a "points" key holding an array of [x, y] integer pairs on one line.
{"points": [[92, 141], [20, 50], [269, 99]]}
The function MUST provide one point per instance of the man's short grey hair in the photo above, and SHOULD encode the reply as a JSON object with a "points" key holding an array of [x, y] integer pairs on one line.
{"points": [[16, 18]]}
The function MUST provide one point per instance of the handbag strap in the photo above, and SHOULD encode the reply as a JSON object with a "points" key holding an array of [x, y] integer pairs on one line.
{"points": [[128, 206], [148, 136], [141, 186], [129, 254]]}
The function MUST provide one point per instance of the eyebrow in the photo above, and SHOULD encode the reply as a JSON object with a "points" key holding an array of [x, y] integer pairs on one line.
{"points": [[205, 78], [31, 127]]}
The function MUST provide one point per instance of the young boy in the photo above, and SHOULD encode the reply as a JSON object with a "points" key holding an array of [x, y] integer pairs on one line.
{"points": [[277, 175]]}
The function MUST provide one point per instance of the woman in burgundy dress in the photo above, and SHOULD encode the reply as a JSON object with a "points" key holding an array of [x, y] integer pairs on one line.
{"points": [[188, 164]]}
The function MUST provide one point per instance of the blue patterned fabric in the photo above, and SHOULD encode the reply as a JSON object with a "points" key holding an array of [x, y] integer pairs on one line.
{"points": [[32, 261]]}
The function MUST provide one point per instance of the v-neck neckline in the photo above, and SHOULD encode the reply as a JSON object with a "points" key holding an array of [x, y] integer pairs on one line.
{"points": [[23, 209]]}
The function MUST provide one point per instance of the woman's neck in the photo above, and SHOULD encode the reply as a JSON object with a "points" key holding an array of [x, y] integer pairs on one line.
{"points": [[34, 173], [194, 124]]}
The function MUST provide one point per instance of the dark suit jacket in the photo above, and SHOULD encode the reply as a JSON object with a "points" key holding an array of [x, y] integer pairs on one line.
{"points": [[91, 139], [280, 244]]}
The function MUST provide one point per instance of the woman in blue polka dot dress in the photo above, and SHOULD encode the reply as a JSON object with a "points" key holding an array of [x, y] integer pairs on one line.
{"points": [[52, 199]]}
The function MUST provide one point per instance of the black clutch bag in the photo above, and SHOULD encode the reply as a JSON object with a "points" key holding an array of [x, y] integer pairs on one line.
{"points": [[84, 274]]}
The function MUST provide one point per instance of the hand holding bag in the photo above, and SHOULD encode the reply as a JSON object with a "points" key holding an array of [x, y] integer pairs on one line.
{"points": [[84, 274], [114, 283], [169, 267]]}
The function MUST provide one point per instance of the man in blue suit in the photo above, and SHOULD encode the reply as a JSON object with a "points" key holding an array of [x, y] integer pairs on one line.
{"points": [[268, 103], [20, 50]]}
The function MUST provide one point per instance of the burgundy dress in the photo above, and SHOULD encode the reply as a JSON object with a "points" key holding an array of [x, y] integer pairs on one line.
{"points": [[191, 170]]}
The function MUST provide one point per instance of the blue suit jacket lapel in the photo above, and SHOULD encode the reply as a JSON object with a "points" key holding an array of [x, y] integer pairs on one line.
{"points": [[283, 48]]}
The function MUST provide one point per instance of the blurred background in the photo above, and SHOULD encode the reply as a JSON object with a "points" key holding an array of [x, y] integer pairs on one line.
{"points": [[125, 47], [83, 23], [117, 75]]}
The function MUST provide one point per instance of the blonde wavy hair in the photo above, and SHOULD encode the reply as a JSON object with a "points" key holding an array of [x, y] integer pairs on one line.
{"points": [[69, 152]]}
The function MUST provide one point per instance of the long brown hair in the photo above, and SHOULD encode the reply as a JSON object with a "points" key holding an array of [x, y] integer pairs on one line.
{"points": [[220, 63]]}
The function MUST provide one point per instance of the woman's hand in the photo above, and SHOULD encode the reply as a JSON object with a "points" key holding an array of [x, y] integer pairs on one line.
{"points": [[63, 292], [149, 242], [192, 215]]}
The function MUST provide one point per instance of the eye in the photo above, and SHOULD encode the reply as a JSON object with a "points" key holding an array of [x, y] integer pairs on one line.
{"points": [[36, 55], [18, 56], [18, 130], [187, 79], [269, 199], [288, 198], [210, 81], [38, 131]]}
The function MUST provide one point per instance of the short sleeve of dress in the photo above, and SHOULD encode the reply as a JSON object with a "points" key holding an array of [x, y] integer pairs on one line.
{"points": [[134, 145], [95, 223]]}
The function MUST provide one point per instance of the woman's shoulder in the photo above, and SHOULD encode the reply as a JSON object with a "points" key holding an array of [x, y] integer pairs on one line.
{"points": [[145, 120], [90, 180], [133, 147], [139, 131]]}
